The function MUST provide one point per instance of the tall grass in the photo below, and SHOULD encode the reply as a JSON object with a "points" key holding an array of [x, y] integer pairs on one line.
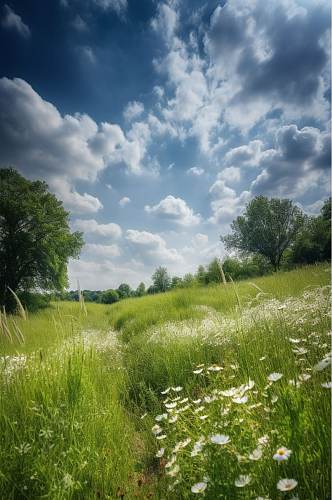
{"points": [[82, 410]]}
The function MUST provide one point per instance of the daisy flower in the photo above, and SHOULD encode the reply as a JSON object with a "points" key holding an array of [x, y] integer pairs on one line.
{"points": [[220, 439], [256, 454], [160, 453], [274, 377], [199, 487], [282, 454], [242, 481], [286, 484]]}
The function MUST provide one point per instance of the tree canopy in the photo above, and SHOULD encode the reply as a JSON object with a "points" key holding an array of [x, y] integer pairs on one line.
{"points": [[267, 227], [35, 238]]}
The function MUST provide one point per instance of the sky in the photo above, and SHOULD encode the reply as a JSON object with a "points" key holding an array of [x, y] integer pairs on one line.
{"points": [[156, 122]]}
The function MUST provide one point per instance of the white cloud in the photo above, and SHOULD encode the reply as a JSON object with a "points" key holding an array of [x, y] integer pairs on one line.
{"points": [[118, 6], [102, 251], [91, 226], [13, 21], [152, 247], [63, 149], [165, 22], [200, 240], [88, 54], [230, 174], [124, 201], [79, 24], [133, 110], [226, 204], [174, 209], [197, 171]]}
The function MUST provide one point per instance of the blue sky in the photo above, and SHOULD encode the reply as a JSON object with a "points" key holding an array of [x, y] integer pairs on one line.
{"points": [[157, 121]]}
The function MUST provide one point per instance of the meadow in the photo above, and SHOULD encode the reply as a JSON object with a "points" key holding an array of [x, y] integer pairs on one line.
{"points": [[219, 392]]}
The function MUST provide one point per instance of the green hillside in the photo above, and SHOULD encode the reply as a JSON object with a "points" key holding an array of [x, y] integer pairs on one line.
{"points": [[218, 392]]}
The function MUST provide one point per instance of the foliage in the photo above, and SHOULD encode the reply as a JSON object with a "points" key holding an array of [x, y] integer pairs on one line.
{"points": [[140, 291], [35, 237], [214, 272], [239, 269], [267, 227], [109, 297], [124, 291], [313, 243], [161, 280]]}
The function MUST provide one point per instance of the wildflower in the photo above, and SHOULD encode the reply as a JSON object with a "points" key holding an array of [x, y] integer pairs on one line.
{"points": [[327, 385], [199, 487], [173, 419], [184, 400], [286, 484], [274, 399], [160, 453], [198, 372], [220, 439], [215, 368], [229, 392], [242, 481], [262, 358], [282, 454], [324, 363], [177, 389], [173, 472], [162, 436], [240, 401], [156, 429], [203, 417], [199, 409], [274, 377], [304, 377], [166, 391], [198, 446], [197, 401], [299, 351], [294, 383], [256, 454], [294, 341], [161, 417], [171, 405], [143, 416], [263, 440]]}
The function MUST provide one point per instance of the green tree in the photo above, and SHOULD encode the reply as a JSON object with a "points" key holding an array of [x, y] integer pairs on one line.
{"points": [[109, 296], [35, 238], [215, 272], [161, 280], [176, 282], [140, 290], [124, 291], [267, 227], [201, 275], [313, 243], [188, 280]]}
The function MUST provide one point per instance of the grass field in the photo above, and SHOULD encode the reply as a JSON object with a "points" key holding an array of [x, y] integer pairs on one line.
{"points": [[219, 392]]}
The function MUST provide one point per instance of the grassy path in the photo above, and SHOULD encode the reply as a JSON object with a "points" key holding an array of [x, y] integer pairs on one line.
{"points": [[173, 396]]}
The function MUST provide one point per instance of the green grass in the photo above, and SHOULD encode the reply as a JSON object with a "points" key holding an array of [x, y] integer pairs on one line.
{"points": [[79, 398]]}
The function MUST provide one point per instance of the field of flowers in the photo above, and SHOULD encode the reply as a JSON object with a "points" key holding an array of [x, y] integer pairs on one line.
{"points": [[220, 392]]}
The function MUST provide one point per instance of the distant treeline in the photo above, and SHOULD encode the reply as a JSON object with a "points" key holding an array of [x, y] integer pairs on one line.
{"points": [[309, 243]]}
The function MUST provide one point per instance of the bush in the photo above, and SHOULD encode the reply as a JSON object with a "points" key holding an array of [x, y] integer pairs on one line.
{"points": [[34, 301], [109, 297]]}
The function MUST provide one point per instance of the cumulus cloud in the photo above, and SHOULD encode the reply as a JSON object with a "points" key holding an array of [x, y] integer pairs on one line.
{"points": [[165, 22], [133, 110], [124, 201], [118, 6], [197, 171], [13, 21], [152, 247], [200, 240], [79, 24], [91, 226], [102, 251], [300, 161], [174, 209], [42, 143], [230, 174], [226, 204]]}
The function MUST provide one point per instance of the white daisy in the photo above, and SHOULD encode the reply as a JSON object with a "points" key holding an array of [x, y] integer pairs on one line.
{"points": [[275, 376], [242, 480], [282, 454], [240, 401], [198, 372], [327, 385], [199, 487], [324, 363], [173, 472], [156, 429], [177, 389], [286, 484], [166, 391], [161, 417], [160, 453], [220, 439], [256, 454]]}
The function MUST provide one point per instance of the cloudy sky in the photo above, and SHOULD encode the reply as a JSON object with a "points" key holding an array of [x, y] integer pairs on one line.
{"points": [[157, 121]]}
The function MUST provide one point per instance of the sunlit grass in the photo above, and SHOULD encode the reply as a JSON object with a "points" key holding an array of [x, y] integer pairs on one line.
{"points": [[80, 397]]}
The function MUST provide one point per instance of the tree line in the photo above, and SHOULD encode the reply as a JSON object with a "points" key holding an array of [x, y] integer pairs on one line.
{"points": [[36, 244]]}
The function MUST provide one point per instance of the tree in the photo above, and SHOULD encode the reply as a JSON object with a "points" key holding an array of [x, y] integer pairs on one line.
{"points": [[215, 272], [188, 280], [267, 227], [176, 282], [140, 290], [313, 243], [201, 275], [35, 238], [124, 291], [161, 280], [109, 296]]}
